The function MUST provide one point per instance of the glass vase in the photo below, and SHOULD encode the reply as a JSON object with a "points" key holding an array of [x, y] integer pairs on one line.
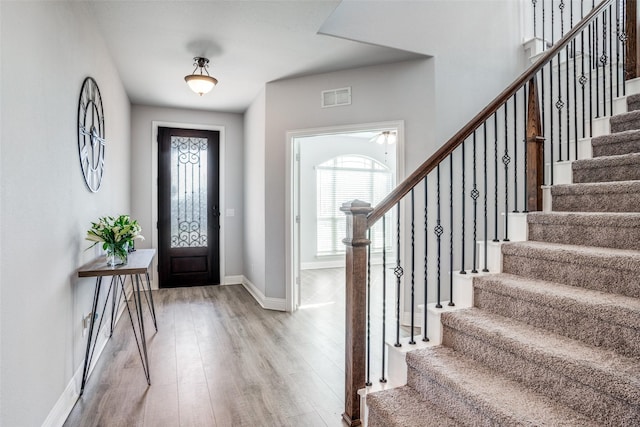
{"points": [[117, 254]]}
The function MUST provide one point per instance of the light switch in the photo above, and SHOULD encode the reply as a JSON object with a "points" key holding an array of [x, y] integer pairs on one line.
{"points": [[231, 212]]}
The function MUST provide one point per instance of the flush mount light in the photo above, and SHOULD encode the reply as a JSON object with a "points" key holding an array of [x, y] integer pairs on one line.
{"points": [[200, 83]]}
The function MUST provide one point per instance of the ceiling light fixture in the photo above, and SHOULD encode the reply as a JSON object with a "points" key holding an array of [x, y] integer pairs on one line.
{"points": [[386, 137], [200, 83]]}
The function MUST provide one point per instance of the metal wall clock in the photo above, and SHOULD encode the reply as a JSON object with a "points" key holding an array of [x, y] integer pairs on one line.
{"points": [[91, 139]]}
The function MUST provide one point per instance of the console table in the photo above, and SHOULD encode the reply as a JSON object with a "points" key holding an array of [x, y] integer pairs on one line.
{"points": [[138, 265]]}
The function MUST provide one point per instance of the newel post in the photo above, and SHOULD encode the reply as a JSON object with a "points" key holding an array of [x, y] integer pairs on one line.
{"points": [[535, 151], [356, 244]]}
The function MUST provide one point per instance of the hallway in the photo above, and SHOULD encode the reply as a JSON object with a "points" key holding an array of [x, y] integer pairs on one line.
{"points": [[218, 359]]}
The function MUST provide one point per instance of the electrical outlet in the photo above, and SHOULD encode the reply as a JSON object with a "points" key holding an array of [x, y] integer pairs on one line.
{"points": [[86, 322]]}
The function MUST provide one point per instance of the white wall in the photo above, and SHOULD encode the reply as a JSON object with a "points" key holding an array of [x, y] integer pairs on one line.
{"points": [[231, 162], [254, 193], [399, 91], [47, 49]]}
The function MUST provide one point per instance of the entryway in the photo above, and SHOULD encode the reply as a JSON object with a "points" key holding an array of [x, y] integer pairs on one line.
{"points": [[332, 166]]}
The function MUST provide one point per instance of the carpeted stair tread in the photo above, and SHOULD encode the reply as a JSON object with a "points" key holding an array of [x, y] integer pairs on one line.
{"points": [[617, 143], [604, 269], [604, 229], [625, 121], [600, 369], [474, 392], [594, 317], [619, 196], [402, 407], [624, 167]]}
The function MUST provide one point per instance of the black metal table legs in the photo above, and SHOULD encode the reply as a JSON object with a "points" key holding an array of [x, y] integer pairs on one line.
{"points": [[141, 342]]}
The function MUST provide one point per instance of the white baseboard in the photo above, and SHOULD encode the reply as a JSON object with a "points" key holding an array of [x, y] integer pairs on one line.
{"points": [[278, 304], [63, 407], [65, 403], [233, 280]]}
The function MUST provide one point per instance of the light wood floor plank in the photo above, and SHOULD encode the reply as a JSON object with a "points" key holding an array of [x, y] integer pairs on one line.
{"points": [[219, 359]]}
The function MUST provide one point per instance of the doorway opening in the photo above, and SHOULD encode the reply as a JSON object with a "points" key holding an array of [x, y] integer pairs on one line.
{"points": [[330, 167]]}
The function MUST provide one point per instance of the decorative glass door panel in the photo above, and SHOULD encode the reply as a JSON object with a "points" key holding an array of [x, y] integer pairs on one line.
{"points": [[188, 192], [188, 213]]}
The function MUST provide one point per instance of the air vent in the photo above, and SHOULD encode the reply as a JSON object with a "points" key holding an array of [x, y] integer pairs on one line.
{"points": [[336, 97]]}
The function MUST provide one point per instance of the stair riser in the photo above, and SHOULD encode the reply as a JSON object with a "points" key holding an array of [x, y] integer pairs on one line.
{"points": [[615, 148], [555, 382], [628, 172], [633, 104], [594, 202], [573, 321], [596, 235], [580, 273], [625, 122], [465, 409]]}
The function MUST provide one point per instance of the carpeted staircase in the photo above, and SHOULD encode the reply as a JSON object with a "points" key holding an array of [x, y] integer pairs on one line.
{"points": [[555, 339]]}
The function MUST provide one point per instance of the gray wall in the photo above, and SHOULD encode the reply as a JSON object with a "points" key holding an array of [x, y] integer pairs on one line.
{"points": [[46, 207], [400, 91], [142, 187], [476, 45], [254, 193]]}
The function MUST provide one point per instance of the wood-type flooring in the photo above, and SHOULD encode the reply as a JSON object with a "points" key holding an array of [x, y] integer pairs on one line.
{"points": [[219, 359]]}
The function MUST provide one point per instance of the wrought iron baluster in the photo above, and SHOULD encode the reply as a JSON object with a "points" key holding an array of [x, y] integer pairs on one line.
{"points": [[544, 40], [560, 103], [383, 379], [575, 91], [552, 24], [552, 137], [533, 2], [425, 338], [610, 64], [583, 78], [485, 192], [590, 39], [618, 48], [451, 303], [438, 230], [603, 61], [596, 61], [515, 152], [413, 266], [464, 172], [506, 160], [474, 197], [551, 96], [495, 170], [623, 43], [368, 383], [399, 272], [525, 106]]}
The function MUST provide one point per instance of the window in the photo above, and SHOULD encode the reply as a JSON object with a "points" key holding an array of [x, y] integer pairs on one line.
{"points": [[342, 179]]}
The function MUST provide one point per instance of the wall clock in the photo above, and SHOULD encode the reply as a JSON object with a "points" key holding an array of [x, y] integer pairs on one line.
{"points": [[91, 139]]}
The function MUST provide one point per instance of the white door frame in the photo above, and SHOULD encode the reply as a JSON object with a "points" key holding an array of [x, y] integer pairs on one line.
{"points": [[292, 237], [154, 188]]}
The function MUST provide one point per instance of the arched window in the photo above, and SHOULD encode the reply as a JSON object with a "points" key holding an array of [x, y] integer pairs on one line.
{"points": [[343, 179]]}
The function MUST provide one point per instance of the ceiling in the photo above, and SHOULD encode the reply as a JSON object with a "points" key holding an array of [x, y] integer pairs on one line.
{"points": [[249, 44]]}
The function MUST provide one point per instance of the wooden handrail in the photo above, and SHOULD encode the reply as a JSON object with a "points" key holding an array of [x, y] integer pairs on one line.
{"points": [[418, 175]]}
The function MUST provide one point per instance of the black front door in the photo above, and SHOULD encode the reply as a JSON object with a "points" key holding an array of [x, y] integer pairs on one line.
{"points": [[188, 207]]}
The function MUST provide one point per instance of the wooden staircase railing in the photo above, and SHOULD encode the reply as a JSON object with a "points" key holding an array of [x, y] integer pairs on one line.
{"points": [[361, 216]]}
